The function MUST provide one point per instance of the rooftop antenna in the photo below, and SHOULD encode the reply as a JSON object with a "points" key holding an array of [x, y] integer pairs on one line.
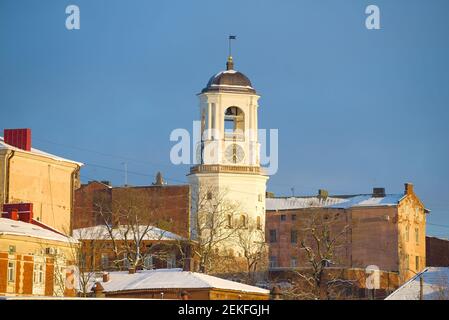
{"points": [[126, 173]]}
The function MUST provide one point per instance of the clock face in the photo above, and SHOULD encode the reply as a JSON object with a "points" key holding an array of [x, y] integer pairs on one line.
{"points": [[235, 153]]}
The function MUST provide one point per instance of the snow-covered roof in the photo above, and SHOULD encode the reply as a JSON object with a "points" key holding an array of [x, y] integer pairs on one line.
{"points": [[171, 279], [4, 145], [435, 286], [343, 202], [20, 228], [100, 232]]}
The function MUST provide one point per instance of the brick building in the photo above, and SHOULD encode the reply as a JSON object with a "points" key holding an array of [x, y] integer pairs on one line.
{"points": [[164, 206], [104, 249], [437, 252], [384, 230]]}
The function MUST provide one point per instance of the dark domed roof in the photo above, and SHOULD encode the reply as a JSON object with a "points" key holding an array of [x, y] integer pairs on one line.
{"points": [[229, 81]]}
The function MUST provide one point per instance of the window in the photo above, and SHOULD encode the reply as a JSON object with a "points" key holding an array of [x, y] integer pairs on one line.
{"points": [[38, 274], [273, 236], [12, 249], [417, 212], [125, 260], [171, 261], [293, 262], [243, 221], [273, 262], [293, 217], [417, 235], [407, 233], [294, 236], [83, 261], [148, 262], [104, 260], [11, 271], [417, 263], [229, 218], [260, 197], [283, 217], [259, 223], [209, 196], [407, 262]]}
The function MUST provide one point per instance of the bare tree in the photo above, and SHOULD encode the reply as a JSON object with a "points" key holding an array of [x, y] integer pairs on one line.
{"points": [[130, 231], [321, 248], [215, 228], [250, 240], [91, 241]]}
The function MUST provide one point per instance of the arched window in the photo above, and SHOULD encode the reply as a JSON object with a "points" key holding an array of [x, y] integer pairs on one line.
{"points": [[243, 221], [229, 220], [234, 123]]}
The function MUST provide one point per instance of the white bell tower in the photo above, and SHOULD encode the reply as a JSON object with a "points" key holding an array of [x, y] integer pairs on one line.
{"points": [[228, 154]]}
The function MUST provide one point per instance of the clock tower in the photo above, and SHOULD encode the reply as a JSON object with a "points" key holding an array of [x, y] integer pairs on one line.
{"points": [[227, 155]]}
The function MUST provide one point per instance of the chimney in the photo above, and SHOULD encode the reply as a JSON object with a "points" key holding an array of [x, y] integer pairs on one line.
{"points": [[408, 188], [19, 138], [276, 293], [98, 290], [13, 215], [378, 192], [322, 193], [105, 276], [24, 211], [184, 295]]}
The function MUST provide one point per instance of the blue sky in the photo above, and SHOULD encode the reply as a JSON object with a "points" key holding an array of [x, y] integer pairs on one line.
{"points": [[355, 108]]}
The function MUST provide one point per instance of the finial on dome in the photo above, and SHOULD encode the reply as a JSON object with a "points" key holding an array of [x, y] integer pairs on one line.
{"points": [[230, 64]]}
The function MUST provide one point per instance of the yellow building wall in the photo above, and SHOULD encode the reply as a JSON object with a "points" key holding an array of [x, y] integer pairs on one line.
{"points": [[411, 216], [45, 182], [27, 248]]}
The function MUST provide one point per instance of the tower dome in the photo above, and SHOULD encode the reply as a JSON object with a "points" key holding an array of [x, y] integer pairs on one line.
{"points": [[229, 80]]}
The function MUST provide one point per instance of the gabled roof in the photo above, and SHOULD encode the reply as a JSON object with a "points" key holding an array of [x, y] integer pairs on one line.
{"points": [[20, 228], [4, 145], [339, 202], [435, 286], [171, 279]]}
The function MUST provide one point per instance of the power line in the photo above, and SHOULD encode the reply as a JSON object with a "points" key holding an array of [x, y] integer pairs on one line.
{"points": [[437, 225], [127, 158]]}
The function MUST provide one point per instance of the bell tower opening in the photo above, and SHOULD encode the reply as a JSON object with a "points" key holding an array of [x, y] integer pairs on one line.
{"points": [[234, 124]]}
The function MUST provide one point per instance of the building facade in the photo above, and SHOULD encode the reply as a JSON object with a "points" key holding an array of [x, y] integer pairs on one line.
{"points": [[32, 176], [160, 205], [173, 284], [378, 229], [103, 249], [437, 252], [227, 173], [35, 260]]}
